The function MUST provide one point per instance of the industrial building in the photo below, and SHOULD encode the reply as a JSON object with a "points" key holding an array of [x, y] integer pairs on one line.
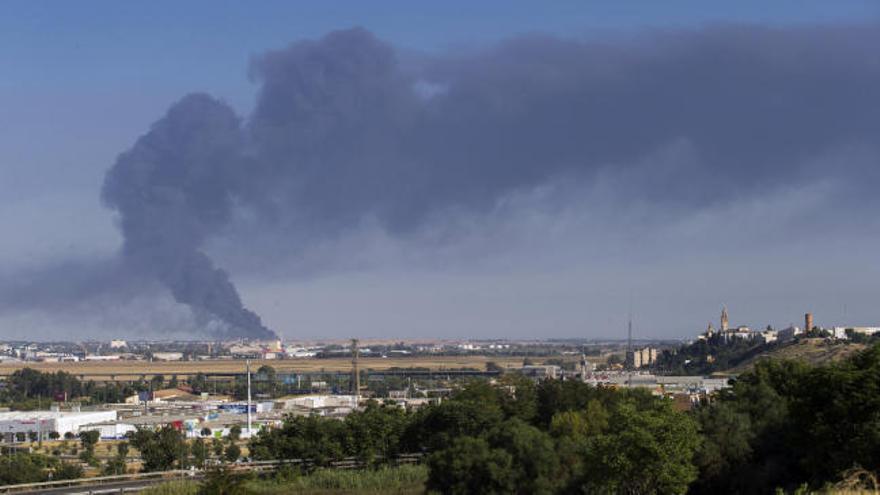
{"points": [[320, 405], [44, 422]]}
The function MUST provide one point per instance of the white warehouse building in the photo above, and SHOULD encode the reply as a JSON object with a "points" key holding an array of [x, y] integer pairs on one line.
{"points": [[48, 421]]}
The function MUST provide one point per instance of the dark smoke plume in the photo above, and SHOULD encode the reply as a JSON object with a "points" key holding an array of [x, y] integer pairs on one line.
{"points": [[172, 190], [342, 131]]}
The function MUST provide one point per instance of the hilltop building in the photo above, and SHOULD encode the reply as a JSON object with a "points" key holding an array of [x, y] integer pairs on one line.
{"points": [[789, 333], [728, 333], [725, 321]]}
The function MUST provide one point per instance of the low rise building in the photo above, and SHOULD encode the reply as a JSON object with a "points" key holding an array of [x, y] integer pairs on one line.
{"points": [[787, 334], [167, 356], [110, 430], [95, 357], [541, 371], [865, 330], [45, 422], [319, 404], [769, 336], [639, 358]]}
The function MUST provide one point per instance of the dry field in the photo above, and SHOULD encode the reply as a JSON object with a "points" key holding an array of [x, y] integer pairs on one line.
{"points": [[97, 369]]}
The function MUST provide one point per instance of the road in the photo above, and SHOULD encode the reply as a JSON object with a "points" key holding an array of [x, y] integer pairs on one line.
{"points": [[133, 486]]}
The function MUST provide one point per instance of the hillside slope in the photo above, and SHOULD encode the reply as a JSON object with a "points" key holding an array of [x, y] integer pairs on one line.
{"points": [[813, 351]]}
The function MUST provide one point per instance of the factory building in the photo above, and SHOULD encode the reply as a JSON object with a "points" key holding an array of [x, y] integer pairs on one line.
{"points": [[44, 422], [319, 405]]}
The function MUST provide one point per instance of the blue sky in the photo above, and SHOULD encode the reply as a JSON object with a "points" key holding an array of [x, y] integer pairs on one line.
{"points": [[55, 45], [82, 80]]}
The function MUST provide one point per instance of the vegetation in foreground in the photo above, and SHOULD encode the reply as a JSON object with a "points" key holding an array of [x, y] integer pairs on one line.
{"points": [[401, 480], [784, 425]]}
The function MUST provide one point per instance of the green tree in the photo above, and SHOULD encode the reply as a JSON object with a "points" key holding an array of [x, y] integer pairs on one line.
{"points": [[374, 432], [645, 451], [320, 439], [157, 382], [117, 464], [518, 397], [235, 433], [726, 447], [217, 447], [199, 383], [67, 471], [221, 480], [89, 439], [785, 423], [23, 468], [113, 467], [199, 451], [435, 427], [533, 455], [554, 396], [470, 466], [232, 452], [161, 449], [268, 381], [122, 449]]}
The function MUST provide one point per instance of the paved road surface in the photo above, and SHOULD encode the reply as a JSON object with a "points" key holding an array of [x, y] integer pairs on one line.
{"points": [[107, 488]]}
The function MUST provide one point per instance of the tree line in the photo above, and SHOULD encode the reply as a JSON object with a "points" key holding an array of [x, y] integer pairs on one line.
{"points": [[783, 425]]}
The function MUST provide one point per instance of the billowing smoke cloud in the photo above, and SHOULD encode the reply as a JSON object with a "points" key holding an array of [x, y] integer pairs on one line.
{"points": [[173, 190], [340, 130], [343, 132]]}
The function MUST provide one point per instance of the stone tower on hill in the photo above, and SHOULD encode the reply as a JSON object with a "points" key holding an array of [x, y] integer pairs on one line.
{"points": [[725, 323]]}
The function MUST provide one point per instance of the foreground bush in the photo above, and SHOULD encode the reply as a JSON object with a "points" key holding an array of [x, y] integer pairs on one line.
{"points": [[173, 488], [400, 480], [32, 468]]}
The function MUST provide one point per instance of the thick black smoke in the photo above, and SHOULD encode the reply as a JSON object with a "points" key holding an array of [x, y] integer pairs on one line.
{"points": [[343, 132], [173, 190]]}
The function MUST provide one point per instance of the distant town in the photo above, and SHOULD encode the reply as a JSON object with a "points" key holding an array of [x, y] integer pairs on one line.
{"points": [[197, 386]]}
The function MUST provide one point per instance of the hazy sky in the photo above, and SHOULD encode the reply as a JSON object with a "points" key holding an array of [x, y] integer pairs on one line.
{"points": [[453, 169]]}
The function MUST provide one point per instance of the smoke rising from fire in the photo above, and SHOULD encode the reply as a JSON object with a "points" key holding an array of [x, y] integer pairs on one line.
{"points": [[345, 130]]}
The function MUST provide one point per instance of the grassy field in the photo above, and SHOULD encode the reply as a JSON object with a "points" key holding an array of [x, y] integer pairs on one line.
{"points": [[97, 369]]}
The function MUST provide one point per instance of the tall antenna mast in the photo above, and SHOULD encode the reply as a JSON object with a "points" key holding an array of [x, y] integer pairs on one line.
{"points": [[629, 334], [248, 365], [630, 355], [355, 375]]}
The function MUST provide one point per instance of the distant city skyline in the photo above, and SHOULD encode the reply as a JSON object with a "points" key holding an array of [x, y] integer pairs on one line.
{"points": [[386, 170]]}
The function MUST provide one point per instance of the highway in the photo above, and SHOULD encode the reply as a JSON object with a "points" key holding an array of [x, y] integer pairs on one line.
{"points": [[117, 487]]}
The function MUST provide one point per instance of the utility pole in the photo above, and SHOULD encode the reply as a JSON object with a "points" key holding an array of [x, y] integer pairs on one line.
{"points": [[248, 365], [355, 374], [630, 356], [629, 341]]}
